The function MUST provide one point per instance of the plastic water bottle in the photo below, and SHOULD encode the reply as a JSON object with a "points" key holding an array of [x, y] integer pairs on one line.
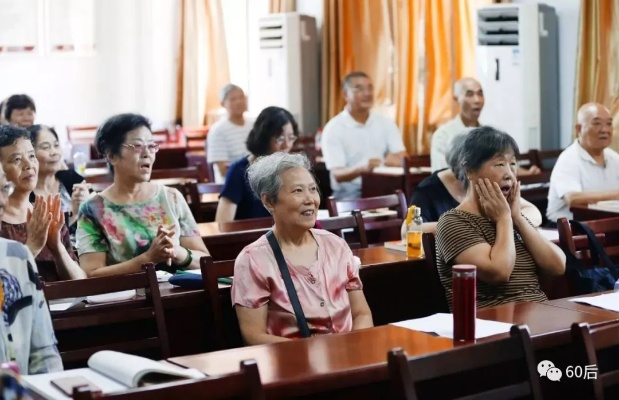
{"points": [[79, 162], [414, 234], [617, 286]]}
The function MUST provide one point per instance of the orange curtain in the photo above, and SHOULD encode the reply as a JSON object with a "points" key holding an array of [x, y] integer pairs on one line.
{"points": [[356, 35], [203, 61], [435, 46], [593, 81], [282, 6]]}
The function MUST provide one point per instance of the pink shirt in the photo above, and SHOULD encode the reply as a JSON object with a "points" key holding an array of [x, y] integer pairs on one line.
{"points": [[322, 288]]}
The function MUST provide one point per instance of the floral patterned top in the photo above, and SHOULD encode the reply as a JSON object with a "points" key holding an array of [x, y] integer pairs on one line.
{"points": [[124, 231]]}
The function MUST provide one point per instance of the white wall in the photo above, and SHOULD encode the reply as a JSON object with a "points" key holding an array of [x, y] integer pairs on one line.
{"points": [[568, 13], [133, 69]]}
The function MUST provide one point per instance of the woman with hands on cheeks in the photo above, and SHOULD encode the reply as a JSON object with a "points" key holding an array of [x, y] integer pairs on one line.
{"points": [[135, 221], [41, 227], [488, 229]]}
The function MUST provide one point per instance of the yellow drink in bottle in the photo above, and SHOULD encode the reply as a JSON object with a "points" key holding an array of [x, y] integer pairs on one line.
{"points": [[414, 234]]}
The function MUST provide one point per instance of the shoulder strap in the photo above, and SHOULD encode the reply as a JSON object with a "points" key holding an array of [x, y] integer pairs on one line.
{"points": [[597, 250], [292, 293]]}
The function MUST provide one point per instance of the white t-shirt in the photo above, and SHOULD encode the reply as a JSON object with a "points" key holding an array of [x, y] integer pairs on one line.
{"points": [[441, 140], [348, 143], [226, 142], [577, 171]]}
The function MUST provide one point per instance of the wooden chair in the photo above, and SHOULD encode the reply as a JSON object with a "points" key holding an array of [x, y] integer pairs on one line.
{"points": [[211, 272], [246, 225], [547, 158], [528, 159], [76, 322], [77, 133], [422, 377], [227, 246], [244, 384], [434, 281], [596, 348], [195, 158], [578, 245], [610, 228], [354, 221], [411, 180], [383, 229]]}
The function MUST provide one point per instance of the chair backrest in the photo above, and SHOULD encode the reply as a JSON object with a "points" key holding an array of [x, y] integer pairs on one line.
{"points": [[383, 228], [590, 344], [529, 159], [198, 158], [227, 246], [81, 132], [339, 226], [395, 201], [75, 321], [244, 384], [434, 282], [547, 158], [578, 245], [610, 228], [422, 377], [410, 179], [211, 272]]}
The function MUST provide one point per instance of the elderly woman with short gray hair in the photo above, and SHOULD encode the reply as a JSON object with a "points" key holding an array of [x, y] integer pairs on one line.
{"points": [[295, 281]]}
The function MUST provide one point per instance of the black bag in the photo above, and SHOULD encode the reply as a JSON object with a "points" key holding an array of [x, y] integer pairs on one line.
{"points": [[292, 293], [584, 279]]}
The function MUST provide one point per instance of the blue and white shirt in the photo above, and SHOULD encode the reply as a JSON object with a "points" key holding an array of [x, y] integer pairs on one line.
{"points": [[26, 333]]}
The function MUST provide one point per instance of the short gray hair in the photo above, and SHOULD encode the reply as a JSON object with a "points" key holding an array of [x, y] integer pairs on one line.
{"points": [[225, 91], [264, 174], [453, 153]]}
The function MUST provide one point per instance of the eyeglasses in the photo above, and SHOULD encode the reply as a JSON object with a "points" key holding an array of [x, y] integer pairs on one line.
{"points": [[7, 189], [281, 139], [139, 148]]}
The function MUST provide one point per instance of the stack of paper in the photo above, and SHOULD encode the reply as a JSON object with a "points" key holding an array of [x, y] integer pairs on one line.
{"points": [[608, 301], [442, 325]]}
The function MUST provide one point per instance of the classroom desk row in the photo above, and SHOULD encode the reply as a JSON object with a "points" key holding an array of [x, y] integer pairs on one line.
{"points": [[353, 365]]}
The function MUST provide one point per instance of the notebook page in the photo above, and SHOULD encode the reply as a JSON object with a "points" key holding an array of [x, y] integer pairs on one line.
{"points": [[442, 325]]}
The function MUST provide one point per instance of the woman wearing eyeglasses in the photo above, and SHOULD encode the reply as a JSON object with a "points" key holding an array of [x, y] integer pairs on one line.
{"points": [[40, 226], [274, 130], [134, 221]]}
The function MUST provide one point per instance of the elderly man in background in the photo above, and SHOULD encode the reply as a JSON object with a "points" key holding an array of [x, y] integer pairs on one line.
{"points": [[357, 140], [587, 171], [469, 95], [225, 142]]}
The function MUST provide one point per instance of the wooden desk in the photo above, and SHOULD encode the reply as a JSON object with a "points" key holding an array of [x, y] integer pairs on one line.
{"points": [[581, 307], [582, 213], [549, 325], [329, 363]]}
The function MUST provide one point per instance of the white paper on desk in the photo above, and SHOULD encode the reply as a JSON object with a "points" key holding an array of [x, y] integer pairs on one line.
{"points": [[609, 301], [442, 325], [64, 304], [550, 234], [42, 385], [111, 297]]}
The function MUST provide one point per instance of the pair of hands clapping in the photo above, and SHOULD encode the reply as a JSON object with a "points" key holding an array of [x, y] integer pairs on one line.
{"points": [[494, 204], [44, 224], [162, 249]]}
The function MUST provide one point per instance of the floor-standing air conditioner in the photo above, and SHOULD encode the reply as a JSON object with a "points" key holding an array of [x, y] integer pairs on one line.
{"points": [[288, 64], [517, 66]]}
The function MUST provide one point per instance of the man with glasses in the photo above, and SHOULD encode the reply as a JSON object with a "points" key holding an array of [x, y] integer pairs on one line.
{"points": [[357, 140]]}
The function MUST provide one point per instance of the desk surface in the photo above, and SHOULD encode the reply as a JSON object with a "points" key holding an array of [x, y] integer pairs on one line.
{"points": [[363, 351]]}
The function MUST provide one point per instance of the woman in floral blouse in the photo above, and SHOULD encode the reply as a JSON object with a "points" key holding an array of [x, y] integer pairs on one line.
{"points": [[134, 221]]}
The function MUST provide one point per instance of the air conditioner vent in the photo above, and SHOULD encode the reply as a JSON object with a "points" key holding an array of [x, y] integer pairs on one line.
{"points": [[498, 27]]}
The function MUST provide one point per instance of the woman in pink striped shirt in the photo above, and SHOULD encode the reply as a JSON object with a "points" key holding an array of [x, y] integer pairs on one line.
{"points": [[321, 265]]}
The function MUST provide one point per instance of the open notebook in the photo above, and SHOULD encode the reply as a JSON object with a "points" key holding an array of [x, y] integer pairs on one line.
{"points": [[112, 371]]}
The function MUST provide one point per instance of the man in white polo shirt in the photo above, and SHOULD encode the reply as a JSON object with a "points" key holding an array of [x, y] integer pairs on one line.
{"points": [[469, 95], [587, 171], [226, 139], [356, 140]]}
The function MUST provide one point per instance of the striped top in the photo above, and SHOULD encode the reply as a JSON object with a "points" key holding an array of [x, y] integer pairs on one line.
{"points": [[458, 230], [226, 142]]}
